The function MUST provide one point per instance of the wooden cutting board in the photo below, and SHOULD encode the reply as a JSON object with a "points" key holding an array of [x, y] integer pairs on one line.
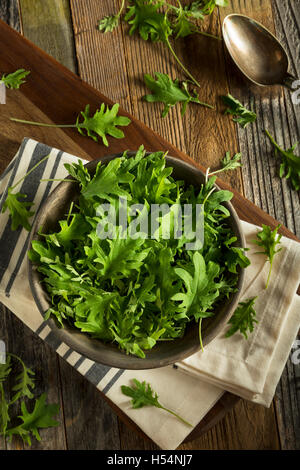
{"points": [[53, 94]]}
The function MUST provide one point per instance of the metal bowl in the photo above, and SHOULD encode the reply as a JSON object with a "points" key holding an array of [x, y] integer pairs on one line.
{"points": [[163, 353]]}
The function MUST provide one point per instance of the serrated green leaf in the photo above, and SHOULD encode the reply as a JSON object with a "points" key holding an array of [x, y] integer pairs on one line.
{"points": [[243, 319], [14, 80], [268, 240], [18, 210], [290, 163], [170, 92], [103, 122], [40, 417], [243, 116]]}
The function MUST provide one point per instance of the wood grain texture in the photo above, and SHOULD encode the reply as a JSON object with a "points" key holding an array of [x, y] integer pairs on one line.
{"points": [[287, 21], [262, 185]]}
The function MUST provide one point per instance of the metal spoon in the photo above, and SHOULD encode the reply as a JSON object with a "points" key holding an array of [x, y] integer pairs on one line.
{"points": [[257, 52]]}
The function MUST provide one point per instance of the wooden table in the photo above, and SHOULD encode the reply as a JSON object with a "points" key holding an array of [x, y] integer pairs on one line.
{"points": [[115, 64]]}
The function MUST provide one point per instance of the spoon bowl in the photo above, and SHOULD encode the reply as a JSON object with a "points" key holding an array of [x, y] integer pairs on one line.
{"points": [[256, 51]]}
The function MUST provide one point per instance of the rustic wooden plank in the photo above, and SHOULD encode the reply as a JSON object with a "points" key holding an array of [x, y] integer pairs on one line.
{"points": [[101, 57], [89, 423], [9, 12], [246, 427], [47, 24], [287, 25], [280, 116]]}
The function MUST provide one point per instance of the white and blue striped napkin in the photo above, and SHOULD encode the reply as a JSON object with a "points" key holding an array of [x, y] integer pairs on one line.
{"points": [[195, 387]]}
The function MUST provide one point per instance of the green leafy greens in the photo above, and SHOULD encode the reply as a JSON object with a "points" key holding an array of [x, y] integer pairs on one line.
{"points": [[243, 116], [268, 240], [19, 210], [170, 92], [142, 394], [104, 122], [14, 80], [110, 23], [243, 318], [41, 415], [135, 291], [290, 163], [159, 21], [228, 163]]}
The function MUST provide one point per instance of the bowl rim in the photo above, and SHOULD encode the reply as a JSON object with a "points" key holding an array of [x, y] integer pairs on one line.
{"points": [[74, 338]]}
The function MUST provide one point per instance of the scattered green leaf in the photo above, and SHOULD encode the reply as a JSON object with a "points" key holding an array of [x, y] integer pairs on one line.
{"points": [[18, 210], [243, 116], [103, 122], [141, 395], [41, 415], [268, 240], [110, 23], [170, 92], [14, 80], [228, 163], [290, 163], [243, 318]]}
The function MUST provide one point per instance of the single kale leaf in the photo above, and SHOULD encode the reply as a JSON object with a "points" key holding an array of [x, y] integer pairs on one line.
{"points": [[103, 122], [201, 288], [14, 80], [107, 181], [290, 163], [243, 318], [142, 394], [18, 210], [231, 163], [243, 116], [40, 417], [24, 382], [108, 23], [170, 92], [144, 16], [268, 240]]}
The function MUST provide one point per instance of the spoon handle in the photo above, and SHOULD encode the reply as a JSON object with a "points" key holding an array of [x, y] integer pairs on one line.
{"points": [[291, 82]]}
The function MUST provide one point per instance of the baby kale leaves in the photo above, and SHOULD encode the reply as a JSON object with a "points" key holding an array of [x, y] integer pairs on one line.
{"points": [[170, 92], [142, 394]]}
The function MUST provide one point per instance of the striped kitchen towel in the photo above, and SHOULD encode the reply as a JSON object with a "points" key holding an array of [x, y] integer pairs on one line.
{"points": [[197, 388]]}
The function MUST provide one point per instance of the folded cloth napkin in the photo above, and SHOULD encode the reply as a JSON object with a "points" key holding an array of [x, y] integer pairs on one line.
{"points": [[249, 368]]}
